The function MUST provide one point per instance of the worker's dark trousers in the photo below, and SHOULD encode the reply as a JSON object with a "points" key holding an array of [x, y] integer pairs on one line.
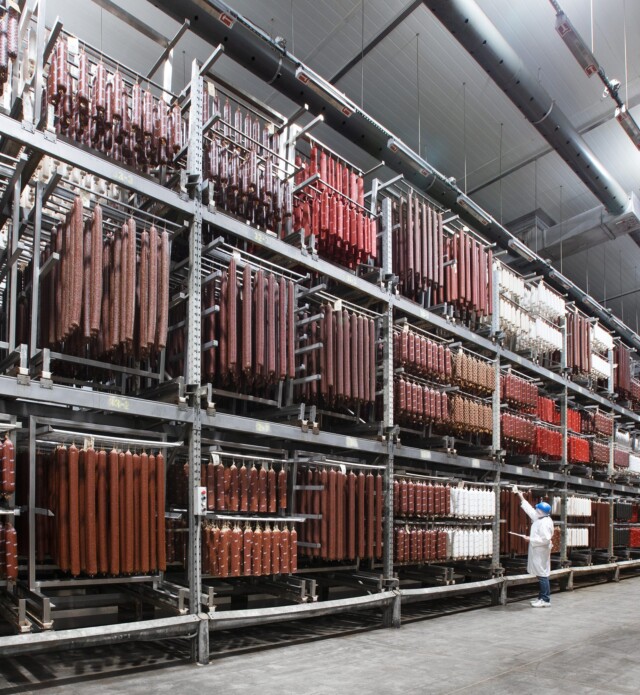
{"points": [[545, 589]]}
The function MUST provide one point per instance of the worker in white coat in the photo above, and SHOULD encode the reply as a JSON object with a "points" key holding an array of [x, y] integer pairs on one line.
{"points": [[539, 557]]}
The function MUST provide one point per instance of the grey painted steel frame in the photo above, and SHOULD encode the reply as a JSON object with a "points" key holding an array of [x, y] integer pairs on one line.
{"points": [[200, 647]]}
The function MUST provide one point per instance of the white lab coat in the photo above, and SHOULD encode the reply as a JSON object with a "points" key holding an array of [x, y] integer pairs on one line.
{"points": [[539, 558]]}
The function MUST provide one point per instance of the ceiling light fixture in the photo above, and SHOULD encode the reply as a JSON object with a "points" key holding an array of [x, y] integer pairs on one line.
{"points": [[575, 43], [473, 209], [327, 91], [631, 128]]}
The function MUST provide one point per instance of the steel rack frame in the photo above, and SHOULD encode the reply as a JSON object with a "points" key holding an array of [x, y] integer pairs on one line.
{"points": [[46, 399]]}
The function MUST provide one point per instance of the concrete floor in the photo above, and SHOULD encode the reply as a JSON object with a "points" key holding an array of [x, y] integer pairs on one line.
{"points": [[586, 643]]}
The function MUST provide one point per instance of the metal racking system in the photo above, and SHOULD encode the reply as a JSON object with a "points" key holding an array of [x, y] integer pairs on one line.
{"points": [[183, 411]]}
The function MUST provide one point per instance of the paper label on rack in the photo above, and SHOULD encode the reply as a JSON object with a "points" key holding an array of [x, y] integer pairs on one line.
{"points": [[259, 237], [211, 89], [118, 403], [337, 305], [73, 46], [352, 443], [424, 454], [263, 427]]}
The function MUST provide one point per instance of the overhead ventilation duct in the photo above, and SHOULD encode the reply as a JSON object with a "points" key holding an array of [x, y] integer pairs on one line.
{"points": [[475, 32], [586, 230], [252, 48]]}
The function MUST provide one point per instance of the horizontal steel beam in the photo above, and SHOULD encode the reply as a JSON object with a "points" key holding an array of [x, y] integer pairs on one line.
{"points": [[276, 430], [437, 592], [103, 168], [93, 400], [242, 230], [225, 620], [162, 628]]}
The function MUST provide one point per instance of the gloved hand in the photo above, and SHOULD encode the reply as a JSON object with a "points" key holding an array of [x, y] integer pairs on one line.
{"points": [[514, 489]]}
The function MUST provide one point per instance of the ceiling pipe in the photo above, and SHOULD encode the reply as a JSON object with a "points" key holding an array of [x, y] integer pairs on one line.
{"points": [[255, 50], [474, 31]]}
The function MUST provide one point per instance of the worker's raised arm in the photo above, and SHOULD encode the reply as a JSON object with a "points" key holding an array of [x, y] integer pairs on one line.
{"points": [[528, 509]]}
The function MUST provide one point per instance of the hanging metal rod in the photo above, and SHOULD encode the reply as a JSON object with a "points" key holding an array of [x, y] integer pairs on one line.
{"points": [[122, 440]]}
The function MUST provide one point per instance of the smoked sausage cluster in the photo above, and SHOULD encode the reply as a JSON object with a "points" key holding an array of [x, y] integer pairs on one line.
{"points": [[468, 282], [420, 356], [548, 410], [577, 450], [418, 405], [548, 443], [517, 430], [240, 158], [98, 109], [515, 520], [416, 544], [599, 453], [332, 209], [108, 295], [109, 511], [620, 458], [473, 374], [418, 249], [578, 343], [350, 511], [414, 498], [7, 468], [251, 550], [469, 416], [255, 330], [519, 393], [8, 551], [347, 362], [9, 21]]}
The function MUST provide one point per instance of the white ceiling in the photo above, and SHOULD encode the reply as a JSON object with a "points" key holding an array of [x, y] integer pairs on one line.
{"points": [[326, 34]]}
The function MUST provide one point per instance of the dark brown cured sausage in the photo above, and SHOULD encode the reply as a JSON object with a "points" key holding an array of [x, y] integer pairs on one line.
{"points": [[144, 513], [90, 460], [324, 511], [247, 548], [74, 510], [351, 509], [253, 489], [291, 331], [243, 476], [236, 546], [160, 496], [379, 507], [266, 550], [262, 490], [163, 291], [361, 515], [234, 488], [370, 486], [272, 494], [247, 320], [282, 488], [153, 512], [256, 564], [331, 515], [276, 538]]}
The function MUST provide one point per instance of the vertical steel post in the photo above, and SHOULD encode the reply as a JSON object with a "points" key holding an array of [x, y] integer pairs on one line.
{"points": [[391, 617], [611, 522], [31, 512], [35, 278], [200, 647], [39, 73], [496, 407], [12, 247]]}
